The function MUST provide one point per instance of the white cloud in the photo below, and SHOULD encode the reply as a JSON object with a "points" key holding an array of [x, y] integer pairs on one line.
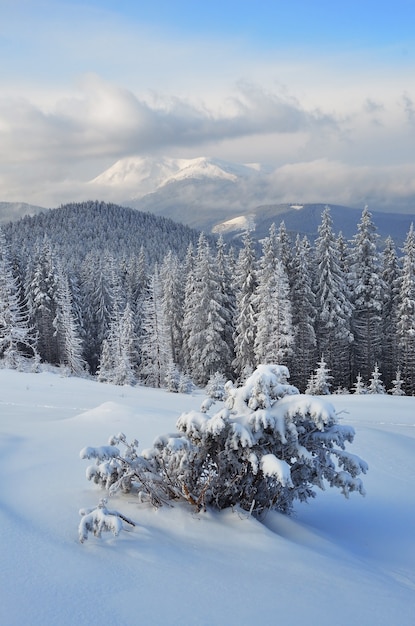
{"points": [[83, 88]]}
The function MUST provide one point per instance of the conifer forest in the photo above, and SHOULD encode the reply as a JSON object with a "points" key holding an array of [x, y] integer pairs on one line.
{"points": [[131, 298]]}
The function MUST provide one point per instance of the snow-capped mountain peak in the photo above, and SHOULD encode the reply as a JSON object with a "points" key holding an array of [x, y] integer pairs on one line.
{"points": [[143, 175]]}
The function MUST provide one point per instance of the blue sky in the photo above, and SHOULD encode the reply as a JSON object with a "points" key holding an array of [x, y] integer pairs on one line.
{"points": [[323, 92]]}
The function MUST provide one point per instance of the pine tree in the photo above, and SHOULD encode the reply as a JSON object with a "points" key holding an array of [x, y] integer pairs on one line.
{"points": [[172, 303], [284, 251], [227, 298], [359, 388], [375, 383], [66, 329], [156, 347], [41, 288], [17, 341], [98, 302], [303, 316], [274, 332], [118, 362], [406, 314], [215, 387], [397, 385], [245, 329], [205, 319], [334, 309], [391, 276], [320, 382], [368, 292]]}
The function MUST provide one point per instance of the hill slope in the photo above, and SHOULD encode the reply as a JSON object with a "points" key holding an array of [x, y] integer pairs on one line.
{"points": [[81, 228]]}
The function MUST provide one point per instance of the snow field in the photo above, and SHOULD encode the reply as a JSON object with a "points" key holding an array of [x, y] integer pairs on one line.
{"points": [[333, 562]]}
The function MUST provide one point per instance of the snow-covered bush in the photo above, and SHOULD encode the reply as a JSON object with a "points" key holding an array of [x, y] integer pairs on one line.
{"points": [[266, 447], [99, 519]]}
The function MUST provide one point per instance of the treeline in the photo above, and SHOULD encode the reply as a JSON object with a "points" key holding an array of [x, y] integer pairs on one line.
{"points": [[129, 297]]}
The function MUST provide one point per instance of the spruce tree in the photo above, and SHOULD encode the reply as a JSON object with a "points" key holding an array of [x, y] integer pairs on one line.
{"points": [[303, 316], [334, 309], [66, 328], [274, 332], [391, 276], [17, 340], [245, 321], [156, 341], [368, 297], [406, 314], [205, 319]]}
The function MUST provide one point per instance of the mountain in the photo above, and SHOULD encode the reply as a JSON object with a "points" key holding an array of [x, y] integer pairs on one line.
{"points": [[11, 211], [198, 192], [214, 195], [306, 218], [223, 197]]}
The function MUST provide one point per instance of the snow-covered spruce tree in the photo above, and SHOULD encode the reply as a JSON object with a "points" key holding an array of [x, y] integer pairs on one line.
{"points": [[119, 354], [303, 316], [17, 339], [205, 319], [359, 388], [215, 387], [406, 314], [156, 346], [245, 331], [172, 286], [375, 383], [319, 383], [267, 447], [41, 287], [98, 301], [368, 296], [397, 383], [66, 328], [390, 275], [334, 309], [274, 331]]}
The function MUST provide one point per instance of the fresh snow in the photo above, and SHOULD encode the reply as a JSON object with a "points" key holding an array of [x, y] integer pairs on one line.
{"points": [[335, 561], [242, 223]]}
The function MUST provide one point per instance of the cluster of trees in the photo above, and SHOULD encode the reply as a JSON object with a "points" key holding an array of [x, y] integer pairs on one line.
{"points": [[164, 306]]}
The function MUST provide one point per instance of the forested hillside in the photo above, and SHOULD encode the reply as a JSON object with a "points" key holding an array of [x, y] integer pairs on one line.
{"points": [[130, 297]]}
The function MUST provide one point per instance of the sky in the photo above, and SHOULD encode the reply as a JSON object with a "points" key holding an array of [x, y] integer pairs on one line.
{"points": [[320, 92]]}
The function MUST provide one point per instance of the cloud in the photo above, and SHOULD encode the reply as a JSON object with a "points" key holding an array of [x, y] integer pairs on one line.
{"points": [[108, 121], [390, 188]]}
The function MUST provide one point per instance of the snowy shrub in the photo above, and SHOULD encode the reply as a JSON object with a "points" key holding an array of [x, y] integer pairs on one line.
{"points": [[99, 519], [266, 447]]}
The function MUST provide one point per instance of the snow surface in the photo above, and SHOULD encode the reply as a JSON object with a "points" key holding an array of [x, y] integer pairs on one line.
{"points": [[243, 222], [334, 562]]}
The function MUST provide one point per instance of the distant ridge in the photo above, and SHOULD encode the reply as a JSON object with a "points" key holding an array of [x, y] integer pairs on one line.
{"points": [[11, 211], [218, 196]]}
